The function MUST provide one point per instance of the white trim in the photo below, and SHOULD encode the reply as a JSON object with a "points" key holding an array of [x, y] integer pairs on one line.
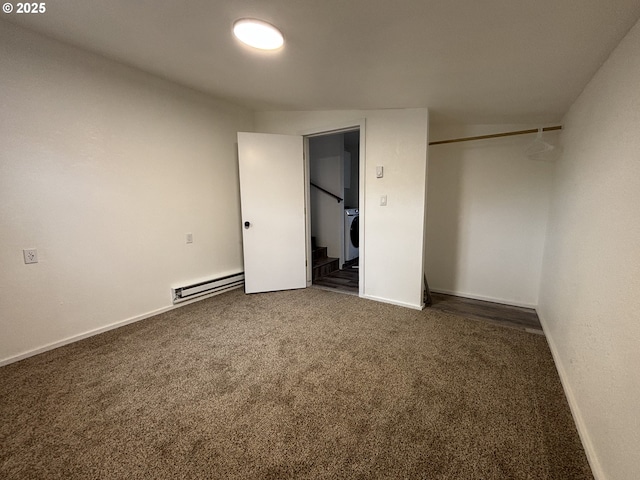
{"points": [[338, 127], [393, 302], [362, 185], [307, 210], [97, 331], [583, 433], [484, 298]]}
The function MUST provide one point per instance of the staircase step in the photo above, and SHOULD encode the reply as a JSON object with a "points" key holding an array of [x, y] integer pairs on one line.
{"points": [[324, 261], [324, 266], [318, 253]]}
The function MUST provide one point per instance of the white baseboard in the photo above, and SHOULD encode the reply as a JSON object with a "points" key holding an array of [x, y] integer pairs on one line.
{"points": [[393, 302], [484, 298], [596, 469], [97, 331]]}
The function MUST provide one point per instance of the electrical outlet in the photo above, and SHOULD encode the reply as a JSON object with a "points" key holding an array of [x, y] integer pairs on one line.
{"points": [[30, 255], [189, 237]]}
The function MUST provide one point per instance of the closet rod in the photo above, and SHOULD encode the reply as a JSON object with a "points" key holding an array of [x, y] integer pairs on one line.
{"points": [[496, 135]]}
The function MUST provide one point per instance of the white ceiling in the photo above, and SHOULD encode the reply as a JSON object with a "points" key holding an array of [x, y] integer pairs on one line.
{"points": [[470, 61]]}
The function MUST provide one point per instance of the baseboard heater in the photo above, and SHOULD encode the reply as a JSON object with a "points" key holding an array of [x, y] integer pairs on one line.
{"points": [[217, 285]]}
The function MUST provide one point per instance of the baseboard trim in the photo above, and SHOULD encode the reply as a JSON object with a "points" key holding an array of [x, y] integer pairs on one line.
{"points": [[393, 302], [501, 301], [592, 458], [98, 331]]}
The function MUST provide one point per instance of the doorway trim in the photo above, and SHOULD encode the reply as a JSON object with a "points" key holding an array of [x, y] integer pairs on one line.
{"points": [[339, 127]]}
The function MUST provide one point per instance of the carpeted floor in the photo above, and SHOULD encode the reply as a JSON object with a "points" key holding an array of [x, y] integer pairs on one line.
{"points": [[302, 384]]}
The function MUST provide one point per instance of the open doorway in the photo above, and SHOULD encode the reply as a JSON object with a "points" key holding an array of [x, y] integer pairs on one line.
{"points": [[334, 193]]}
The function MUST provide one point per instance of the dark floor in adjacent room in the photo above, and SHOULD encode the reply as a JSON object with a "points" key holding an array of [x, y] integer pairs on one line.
{"points": [[505, 315], [344, 281]]}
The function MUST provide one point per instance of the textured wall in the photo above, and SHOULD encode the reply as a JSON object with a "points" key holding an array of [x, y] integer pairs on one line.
{"points": [[589, 301], [104, 170]]}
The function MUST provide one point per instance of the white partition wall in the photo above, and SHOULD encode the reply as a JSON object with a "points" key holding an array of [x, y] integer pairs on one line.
{"points": [[393, 234]]}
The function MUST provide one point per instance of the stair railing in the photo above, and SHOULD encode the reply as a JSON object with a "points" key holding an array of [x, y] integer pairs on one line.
{"points": [[327, 192]]}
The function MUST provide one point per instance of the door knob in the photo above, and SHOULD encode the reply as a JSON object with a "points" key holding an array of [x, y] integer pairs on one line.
{"points": [[247, 224]]}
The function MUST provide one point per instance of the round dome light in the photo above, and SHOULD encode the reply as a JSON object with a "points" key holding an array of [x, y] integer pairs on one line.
{"points": [[258, 34]]}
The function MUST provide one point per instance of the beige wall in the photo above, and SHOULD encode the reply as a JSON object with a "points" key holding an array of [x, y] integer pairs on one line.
{"points": [[393, 240], [589, 299], [104, 170], [487, 208]]}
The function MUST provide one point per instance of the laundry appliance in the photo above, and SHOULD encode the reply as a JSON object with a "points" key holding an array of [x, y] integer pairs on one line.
{"points": [[351, 232]]}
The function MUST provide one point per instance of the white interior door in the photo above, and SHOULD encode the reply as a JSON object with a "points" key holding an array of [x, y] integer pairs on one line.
{"points": [[273, 211]]}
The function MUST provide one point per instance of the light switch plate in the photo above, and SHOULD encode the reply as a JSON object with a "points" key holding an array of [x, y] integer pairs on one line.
{"points": [[379, 171], [383, 201]]}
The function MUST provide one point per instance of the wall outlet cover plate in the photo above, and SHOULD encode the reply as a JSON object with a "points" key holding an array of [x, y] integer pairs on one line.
{"points": [[30, 255]]}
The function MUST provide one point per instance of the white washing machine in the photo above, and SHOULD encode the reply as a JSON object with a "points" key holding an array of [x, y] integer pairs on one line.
{"points": [[351, 231]]}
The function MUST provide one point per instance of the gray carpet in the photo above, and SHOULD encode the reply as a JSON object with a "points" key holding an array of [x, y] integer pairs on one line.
{"points": [[302, 384]]}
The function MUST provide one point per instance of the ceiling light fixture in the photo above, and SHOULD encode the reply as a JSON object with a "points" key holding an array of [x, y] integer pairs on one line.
{"points": [[258, 34]]}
